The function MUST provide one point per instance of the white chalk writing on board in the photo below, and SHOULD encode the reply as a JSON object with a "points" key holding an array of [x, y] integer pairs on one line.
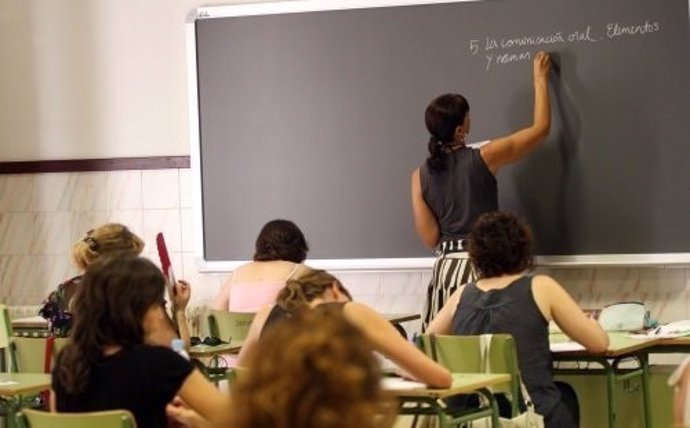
{"points": [[495, 49]]}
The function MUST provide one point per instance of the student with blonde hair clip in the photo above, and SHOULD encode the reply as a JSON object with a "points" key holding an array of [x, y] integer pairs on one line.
{"points": [[319, 289], [107, 239]]}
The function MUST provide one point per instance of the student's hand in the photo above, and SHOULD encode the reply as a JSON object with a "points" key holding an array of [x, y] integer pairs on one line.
{"points": [[542, 65], [181, 294], [183, 417]]}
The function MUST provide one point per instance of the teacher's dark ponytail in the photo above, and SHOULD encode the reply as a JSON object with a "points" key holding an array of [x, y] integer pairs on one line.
{"points": [[443, 115], [436, 160]]}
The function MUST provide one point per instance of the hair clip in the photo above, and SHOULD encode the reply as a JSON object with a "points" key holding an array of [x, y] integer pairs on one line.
{"points": [[93, 244]]}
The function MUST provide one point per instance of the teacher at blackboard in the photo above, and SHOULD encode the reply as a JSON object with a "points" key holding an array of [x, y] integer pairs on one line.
{"points": [[457, 183]]}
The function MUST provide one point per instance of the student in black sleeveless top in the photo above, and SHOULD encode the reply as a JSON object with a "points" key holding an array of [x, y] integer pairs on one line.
{"points": [[507, 299], [316, 288], [457, 183]]}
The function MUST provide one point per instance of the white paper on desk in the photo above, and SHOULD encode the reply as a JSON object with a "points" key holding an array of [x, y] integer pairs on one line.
{"points": [[566, 347], [668, 331], [398, 383]]}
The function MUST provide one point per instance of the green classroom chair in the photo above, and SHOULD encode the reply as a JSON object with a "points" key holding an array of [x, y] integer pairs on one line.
{"points": [[107, 419], [462, 354], [229, 325], [5, 337], [29, 353]]}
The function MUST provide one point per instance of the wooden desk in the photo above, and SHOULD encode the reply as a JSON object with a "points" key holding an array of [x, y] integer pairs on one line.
{"points": [[15, 385], [30, 327], [203, 351], [621, 347], [427, 400], [620, 344], [671, 345], [23, 383], [36, 322]]}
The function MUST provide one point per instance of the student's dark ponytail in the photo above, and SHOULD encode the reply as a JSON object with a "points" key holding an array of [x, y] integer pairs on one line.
{"points": [[443, 115]]}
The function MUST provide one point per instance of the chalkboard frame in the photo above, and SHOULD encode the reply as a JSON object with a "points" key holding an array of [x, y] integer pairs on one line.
{"points": [[364, 264]]}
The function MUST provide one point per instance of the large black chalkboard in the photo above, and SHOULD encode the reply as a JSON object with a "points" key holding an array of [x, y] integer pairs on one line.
{"points": [[317, 116]]}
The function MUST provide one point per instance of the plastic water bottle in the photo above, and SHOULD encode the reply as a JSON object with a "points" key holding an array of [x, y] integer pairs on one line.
{"points": [[177, 345]]}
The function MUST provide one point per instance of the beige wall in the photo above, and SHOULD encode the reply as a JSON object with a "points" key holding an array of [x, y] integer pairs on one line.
{"points": [[93, 78]]}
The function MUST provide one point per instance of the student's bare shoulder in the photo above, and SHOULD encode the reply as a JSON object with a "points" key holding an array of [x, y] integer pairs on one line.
{"points": [[544, 281], [301, 270], [545, 284]]}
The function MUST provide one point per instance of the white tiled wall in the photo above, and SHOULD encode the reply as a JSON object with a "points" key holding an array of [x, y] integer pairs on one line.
{"points": [[41, 215]]}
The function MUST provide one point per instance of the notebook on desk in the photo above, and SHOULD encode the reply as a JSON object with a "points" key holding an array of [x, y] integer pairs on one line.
{"points": [[667, 331], [399, 384]]}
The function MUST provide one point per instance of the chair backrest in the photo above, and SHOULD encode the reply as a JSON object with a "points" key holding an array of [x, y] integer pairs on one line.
{"points": [[5, 327], [29, 353], [225, 325], [463, 354], [5, 337], [28, 418]]}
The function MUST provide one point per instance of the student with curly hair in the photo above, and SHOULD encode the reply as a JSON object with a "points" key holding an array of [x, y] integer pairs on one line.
{"points": [[319, 289], [107, 363], [279, 251], [508, 299]]}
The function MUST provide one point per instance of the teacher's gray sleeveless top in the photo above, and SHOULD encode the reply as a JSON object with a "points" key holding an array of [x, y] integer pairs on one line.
{"points": [[460, 193]]}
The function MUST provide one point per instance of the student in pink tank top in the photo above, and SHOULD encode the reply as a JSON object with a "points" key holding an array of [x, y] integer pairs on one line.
{"points": [[280, 249]]}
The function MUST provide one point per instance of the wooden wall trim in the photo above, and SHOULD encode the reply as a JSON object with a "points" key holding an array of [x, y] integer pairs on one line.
{"points": [[83, 165]]}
